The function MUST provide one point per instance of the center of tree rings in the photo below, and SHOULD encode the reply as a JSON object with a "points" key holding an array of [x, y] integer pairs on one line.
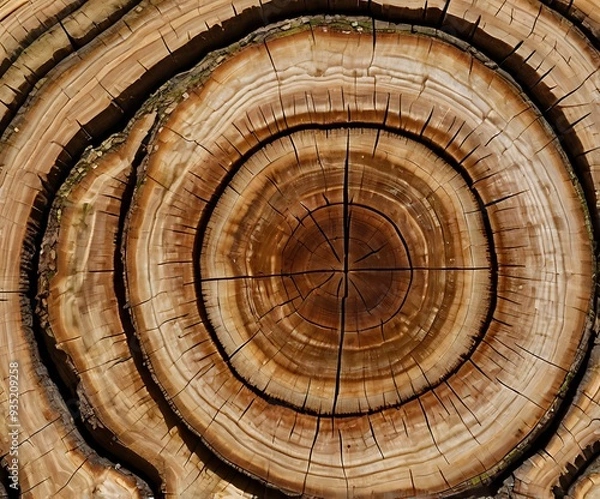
{"points": [[328, 272], [348, 264]]}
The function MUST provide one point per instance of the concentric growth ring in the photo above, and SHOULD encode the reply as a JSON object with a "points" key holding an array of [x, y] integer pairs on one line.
{"points": [[296, 191], [335, 250]]}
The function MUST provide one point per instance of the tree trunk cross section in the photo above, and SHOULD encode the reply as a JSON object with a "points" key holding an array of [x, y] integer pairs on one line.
{"points": [[340, 258]]}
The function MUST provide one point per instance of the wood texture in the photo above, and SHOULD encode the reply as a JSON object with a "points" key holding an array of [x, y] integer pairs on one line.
{"points": [[248, 251], [588, 485]]}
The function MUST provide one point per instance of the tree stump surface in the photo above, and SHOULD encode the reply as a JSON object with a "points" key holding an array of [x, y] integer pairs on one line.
{"points": [[318, 250]]}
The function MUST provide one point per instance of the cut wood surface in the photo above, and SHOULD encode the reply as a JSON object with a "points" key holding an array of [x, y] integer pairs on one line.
{"points": [[340, 286], [241, 289], [588, 486], [251, 250]]}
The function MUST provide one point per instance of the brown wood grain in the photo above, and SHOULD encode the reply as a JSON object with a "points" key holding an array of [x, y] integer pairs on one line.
{"points": [[335, 256]]}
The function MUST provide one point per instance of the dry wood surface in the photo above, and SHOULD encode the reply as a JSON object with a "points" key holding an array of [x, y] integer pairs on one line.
{"points": [[313, 249]]}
